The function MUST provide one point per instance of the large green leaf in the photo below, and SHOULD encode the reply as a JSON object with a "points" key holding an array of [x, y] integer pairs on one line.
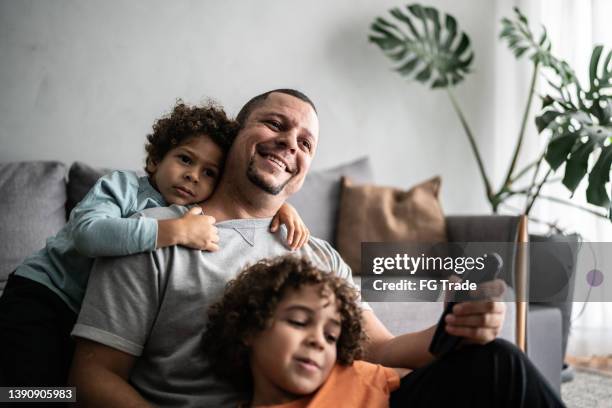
{"points": [[577, 165], [558, 150], [423, 45], [599, 177], [521, 40], [580, 123]]}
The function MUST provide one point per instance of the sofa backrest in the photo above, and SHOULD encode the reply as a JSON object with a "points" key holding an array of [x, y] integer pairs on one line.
{"points": [[36, 200], [32, 199]]}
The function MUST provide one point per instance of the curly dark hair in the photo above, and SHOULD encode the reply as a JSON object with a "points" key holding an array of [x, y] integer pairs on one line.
{"points": [[186, 121], [249, 302]]}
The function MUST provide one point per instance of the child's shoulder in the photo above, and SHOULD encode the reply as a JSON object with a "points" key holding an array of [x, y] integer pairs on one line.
{"points": [[363, 370], [121, 180], [121, 175], [121, 185]]}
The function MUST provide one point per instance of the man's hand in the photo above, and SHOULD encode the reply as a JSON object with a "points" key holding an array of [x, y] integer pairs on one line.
{"points": [[192, 230], [480, 321]]}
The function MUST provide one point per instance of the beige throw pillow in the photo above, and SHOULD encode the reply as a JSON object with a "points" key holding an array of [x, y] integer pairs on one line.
{"points": [[370, 213]]}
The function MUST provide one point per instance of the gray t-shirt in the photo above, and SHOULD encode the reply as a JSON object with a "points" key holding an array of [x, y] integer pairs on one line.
{"points": [[154, 306]]}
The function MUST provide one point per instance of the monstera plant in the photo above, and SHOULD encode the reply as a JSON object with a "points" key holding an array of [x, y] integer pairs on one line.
{"points": [[428, 46]]}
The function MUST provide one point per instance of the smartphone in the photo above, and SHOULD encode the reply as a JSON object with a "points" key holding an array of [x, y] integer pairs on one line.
{"points": [[442, 342]]}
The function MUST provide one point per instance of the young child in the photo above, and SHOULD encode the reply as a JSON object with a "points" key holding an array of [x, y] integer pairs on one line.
{"points": [[291, 337], [185, 154]]}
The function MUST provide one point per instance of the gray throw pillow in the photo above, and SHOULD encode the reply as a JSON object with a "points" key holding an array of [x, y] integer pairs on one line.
{"points": [[318, 200], [81, 178], [33, 195]]}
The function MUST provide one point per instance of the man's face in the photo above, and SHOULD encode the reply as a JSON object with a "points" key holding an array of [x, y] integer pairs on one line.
{"points": [[277, 143]]}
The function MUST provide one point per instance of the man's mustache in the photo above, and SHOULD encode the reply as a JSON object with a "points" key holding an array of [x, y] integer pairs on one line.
{"points": [[280, 153]]}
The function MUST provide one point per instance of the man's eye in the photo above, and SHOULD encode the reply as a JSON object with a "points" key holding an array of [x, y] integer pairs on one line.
{"points": [[274, 124], [306, 145]]}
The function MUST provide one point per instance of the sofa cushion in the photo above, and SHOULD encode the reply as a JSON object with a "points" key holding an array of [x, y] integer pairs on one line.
{"points": [[317, 201], [370, 213], [81, 178], [31, 210]]}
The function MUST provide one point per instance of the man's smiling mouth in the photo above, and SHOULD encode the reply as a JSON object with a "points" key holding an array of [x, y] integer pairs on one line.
{"points": [[277, 160]]}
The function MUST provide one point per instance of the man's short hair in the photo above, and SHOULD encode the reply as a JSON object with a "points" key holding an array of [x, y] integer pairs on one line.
{"points": [[246, 110]]}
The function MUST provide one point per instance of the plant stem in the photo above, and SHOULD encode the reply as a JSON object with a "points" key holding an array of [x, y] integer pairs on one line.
{"points": [[527, 190], [551, 225], [537, 193], [523, 171], [562, 201], [521, 136], [475, 150], [571, 204], [534, 178]]}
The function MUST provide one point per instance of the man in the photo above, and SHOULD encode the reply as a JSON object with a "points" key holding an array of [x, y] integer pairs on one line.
{"points": [[139, 331]]}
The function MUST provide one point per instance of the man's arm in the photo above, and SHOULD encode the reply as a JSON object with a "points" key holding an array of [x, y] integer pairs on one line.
{"points": [[477, 322], [100, 374], [409, 350], [117, 314]]}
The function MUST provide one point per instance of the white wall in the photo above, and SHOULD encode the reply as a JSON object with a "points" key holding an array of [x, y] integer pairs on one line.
{"points": [[84, 80]]}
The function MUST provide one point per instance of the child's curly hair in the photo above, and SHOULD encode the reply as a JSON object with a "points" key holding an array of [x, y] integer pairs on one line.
{"points": [[186, 121], [249, 302]]}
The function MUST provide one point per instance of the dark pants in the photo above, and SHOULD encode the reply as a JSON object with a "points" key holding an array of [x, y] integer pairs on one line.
{"points": [[495, 375], [35, 344]]}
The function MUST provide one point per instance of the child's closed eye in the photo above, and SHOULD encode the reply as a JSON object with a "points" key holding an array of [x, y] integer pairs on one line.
{"points": [[297, 323]]}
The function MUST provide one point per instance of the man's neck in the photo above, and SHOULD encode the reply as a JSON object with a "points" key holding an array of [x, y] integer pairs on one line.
{"points": [[229, 202]]}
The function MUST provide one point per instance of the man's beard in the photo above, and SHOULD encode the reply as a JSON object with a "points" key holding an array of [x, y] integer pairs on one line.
{"points": [[256, 179]]}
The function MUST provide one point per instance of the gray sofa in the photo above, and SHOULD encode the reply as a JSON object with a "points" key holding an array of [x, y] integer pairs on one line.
{"points": [[35, 198]]}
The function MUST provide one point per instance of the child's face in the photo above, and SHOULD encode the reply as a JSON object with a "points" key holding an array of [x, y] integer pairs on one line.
{"points": [[296, 353], [189, 172]]}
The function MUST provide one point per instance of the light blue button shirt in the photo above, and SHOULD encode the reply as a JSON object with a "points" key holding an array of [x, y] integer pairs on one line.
{"points": [[98, 226]]}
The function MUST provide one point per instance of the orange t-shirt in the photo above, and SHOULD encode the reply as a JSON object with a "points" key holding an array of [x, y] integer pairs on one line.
{"points": [[361, 384]]}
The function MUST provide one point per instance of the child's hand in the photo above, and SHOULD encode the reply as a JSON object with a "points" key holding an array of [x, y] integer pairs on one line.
{"points": [[297, 232], [198, 231]]}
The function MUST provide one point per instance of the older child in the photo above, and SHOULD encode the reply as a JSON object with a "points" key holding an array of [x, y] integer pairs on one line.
{"points": [[291, 336], [185, 156]]}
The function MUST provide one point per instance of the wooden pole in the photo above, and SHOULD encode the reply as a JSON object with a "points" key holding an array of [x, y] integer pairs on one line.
{"points": [[522, 265]]}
